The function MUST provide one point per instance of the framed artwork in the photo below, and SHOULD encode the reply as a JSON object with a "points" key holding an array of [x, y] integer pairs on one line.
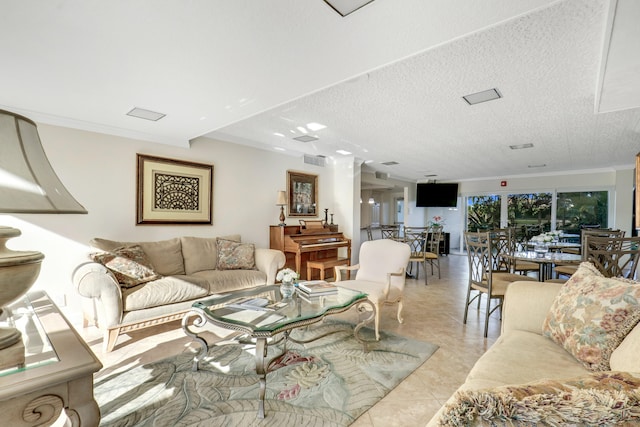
{"points": [[173, 191], [303, 194]]}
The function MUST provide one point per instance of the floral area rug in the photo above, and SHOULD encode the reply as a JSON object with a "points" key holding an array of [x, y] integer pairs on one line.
{"points": [[328, 382]]}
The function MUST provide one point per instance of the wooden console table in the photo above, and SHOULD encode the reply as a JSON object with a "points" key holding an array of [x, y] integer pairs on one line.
{"points": [[58, 371]]}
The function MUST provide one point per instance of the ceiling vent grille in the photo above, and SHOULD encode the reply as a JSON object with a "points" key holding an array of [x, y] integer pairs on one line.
{"points": [[391, 163], [315, 160], [305, 138], [382, 175]]}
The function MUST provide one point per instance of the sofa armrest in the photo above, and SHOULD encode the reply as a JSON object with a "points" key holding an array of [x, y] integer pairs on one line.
{"points": [[269, 261], [526, 305], [94, 280]]}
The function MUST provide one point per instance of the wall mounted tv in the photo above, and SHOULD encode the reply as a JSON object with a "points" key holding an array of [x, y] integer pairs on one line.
{"points": [[431, 195]]}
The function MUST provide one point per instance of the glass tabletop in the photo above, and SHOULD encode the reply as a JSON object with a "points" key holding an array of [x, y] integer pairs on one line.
{"points": [[278, 312], [37, 347]]}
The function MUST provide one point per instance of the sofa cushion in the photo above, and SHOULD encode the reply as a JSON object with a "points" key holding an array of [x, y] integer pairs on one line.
{"points": [[625, 357], [165, 255], [201, 253], [167, 290], [129, 265], [606, 398], [229, 280], [521, 356], [235, 255], [592, 314]]}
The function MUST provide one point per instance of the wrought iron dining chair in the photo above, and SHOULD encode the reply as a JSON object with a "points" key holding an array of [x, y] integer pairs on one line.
{"points": [[390, 232], [417, 241], [380, 274], [432, 255], [568, 270], [613, 256], [483, 278], [505, 245]]}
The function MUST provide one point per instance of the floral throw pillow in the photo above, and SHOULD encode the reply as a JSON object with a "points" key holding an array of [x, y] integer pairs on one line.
{"points": [[592, 314], [234, 255], [129, 264]]}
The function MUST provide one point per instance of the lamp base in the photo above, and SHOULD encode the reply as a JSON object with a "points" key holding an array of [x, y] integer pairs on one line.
{"points": [[18, 271], [12, 356], [282, 224]]}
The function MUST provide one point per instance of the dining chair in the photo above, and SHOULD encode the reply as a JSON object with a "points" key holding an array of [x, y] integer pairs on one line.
{"points": [[380, 274], [390, 232], [613, 256], [417, 241], [483, 278], [432, 255], [568, 270], [505, 244]]}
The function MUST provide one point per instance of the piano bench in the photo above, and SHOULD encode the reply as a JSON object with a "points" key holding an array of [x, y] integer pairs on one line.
{"points": [[324, 264]]}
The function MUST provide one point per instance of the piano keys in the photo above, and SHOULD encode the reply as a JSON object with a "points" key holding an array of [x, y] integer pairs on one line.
{"points": [[300, 246]]}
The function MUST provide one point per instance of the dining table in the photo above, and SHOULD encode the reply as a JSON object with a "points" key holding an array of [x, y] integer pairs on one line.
{"points": [[546, 260], [554, 246]]}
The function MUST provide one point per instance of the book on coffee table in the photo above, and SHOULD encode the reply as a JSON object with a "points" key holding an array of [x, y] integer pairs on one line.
{"points": [[317, 287]]}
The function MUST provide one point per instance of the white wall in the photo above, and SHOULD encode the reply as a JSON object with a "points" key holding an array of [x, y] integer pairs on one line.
{"points": [[100, 171]]}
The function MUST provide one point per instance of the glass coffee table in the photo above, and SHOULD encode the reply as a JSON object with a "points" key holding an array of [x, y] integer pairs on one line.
{"points": [[272, 325]]}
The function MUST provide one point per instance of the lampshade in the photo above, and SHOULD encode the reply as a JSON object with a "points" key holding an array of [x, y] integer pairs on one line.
{"points": [[282, 198], [28, 184]]}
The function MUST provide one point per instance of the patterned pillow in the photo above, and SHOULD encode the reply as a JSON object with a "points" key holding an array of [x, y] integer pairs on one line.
{"points": [[129, 264], [596, 399], [592, 314], [235, 255]]}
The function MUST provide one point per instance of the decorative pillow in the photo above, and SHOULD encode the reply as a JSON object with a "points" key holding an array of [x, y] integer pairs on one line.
{"points": [[129, 264], [592, 314], [235, 255], [603, 398]]}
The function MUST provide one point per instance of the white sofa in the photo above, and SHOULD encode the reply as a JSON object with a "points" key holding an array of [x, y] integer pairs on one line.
{"points": [[530, 370], [188, 270]]}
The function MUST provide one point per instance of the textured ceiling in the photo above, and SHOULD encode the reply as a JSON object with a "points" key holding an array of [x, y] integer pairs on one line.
{"points": [[387, 81]]}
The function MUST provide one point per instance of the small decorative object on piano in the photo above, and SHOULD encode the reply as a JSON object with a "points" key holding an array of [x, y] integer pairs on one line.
{"points": [[317, 287]]}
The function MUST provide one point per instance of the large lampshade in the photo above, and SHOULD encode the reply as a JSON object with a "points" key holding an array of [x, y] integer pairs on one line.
{"points": [[28, 184]]}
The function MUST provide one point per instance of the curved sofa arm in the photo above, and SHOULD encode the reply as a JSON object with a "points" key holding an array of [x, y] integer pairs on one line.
{"points": [[526, 305], [269, 261], [93, 280]]}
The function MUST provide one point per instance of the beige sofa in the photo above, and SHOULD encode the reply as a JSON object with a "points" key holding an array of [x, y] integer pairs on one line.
{"points": [[521, 379], [181, 271]]}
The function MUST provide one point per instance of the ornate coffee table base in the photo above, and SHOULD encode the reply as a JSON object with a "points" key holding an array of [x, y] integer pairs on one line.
{"points": [[262, 363]]}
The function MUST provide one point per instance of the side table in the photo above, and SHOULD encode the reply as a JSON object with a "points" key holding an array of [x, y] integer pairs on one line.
{"points": [[58, 370]]}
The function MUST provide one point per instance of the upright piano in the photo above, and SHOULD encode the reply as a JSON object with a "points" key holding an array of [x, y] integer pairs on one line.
{"points": [[301, 245]]}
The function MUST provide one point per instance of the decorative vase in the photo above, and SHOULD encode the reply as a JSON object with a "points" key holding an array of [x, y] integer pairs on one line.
{"points": [[286, 289]]}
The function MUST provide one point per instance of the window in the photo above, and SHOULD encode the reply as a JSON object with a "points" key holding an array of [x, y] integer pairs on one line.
{"points": [[529, 214], [483, 212], [581, 208]]}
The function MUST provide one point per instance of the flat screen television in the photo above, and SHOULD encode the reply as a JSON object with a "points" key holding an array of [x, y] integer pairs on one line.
{"points": [[431, 195]]}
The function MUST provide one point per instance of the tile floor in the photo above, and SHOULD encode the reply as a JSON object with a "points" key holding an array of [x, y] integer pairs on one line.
{"points": [[432, 313]]}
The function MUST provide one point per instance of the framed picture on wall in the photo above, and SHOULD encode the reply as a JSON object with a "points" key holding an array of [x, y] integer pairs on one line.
{"points": [[303, 194], [173, 191]]}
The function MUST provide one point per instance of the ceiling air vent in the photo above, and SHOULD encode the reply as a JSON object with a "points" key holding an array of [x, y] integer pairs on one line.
{"points": [[382, 175], [315, 160], [305, 138], [391, 163]]}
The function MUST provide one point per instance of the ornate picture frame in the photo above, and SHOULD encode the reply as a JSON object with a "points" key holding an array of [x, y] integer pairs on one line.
{"points": [[302, 193], [173, 191]]}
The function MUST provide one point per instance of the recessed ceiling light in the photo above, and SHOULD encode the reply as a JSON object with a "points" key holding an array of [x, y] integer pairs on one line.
{"points": [[368, 161], [302, 129], [278, 134], [537, 166], [305, 138], [141, 113], [390, 163], [521, 146], [484, 96], [343, 152], [315, 126], [279, 149]]}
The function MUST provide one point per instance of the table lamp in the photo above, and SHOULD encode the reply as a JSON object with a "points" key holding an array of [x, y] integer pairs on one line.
{"points": [[282, 202], [28, 184]]}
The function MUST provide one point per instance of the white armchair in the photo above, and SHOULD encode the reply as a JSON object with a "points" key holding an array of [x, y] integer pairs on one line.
{"points": [[380, 274]]}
